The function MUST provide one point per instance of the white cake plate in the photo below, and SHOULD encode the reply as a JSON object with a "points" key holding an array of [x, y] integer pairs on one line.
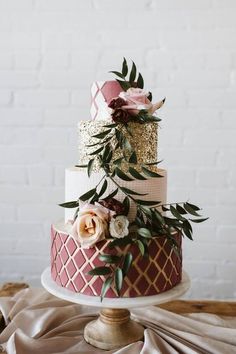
{"points": [[113, 328]]}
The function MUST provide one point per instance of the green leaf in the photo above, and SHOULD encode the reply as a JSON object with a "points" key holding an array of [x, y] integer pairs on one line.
{"points": [[126, 204], [81, 166], [164, 208], [76, 214], [101, 135], [124, 84], [118, 280], [176, 251], [127, 263], [141, 247], [130, 191], [96, 152], [118, 74], [172, 222], [109, 157], [100, 271], [88, 194], [133, 72], [158, 216], [144, 232], [150, 173], [111, 195], [119, 136], [73, 204], [180, 209], [136, 174], [150, 96], [187, 225], [175, 213], [140, 81], [127, 128], [189, 209], [106, 285], [173, 241], [147, 202], [122, 175], [133, 158], [146, 210], [103, 189], [126, 144], [124, 68], [120, 242], [90, 167], [188, 233], [95, 144], [118, 162], [106, 153], [112, 125], [109, 258], [199, 220], [139, 222], [94, 199], [152, 118], [153, 163], [194, 207]]}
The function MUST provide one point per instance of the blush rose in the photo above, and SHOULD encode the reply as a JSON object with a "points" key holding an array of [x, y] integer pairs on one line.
{"points": [[137, 99], [91, 225]]}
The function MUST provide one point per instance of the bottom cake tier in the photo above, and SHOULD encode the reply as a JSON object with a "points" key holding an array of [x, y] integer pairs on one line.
{"points": [[151, 275]]}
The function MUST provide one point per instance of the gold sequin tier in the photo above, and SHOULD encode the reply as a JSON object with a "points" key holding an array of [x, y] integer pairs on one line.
{"points": [[143, 140]]}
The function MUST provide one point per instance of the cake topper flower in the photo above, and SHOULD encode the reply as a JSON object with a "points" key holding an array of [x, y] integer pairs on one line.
{"points": [[134, 103]]}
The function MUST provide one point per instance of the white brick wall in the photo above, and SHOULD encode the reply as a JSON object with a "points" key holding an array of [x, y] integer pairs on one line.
{"points": [[51, 51]]}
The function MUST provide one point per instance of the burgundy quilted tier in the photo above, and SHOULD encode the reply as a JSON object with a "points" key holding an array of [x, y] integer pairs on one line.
{"points": [[70, 264]]}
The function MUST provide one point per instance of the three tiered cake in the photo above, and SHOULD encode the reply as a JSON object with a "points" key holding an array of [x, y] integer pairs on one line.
{"points": [[119, 236]]}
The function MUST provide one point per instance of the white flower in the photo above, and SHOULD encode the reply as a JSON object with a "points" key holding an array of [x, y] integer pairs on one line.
{"points": [[119, 226]]}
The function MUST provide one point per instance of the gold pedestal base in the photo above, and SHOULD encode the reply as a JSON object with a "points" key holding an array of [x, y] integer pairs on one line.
{"points": [[113, 329]]}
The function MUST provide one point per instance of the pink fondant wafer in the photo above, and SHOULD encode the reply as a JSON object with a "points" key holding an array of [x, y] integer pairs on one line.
{"points": [[102, 93]]}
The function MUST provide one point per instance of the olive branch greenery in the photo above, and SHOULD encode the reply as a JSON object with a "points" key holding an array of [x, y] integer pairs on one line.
{"points": [[149, 221], [130, 78]]}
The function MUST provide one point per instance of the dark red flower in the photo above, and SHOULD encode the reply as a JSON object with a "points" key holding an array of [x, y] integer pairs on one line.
{"points": [[114, 205], [120, 116], [117, 102]]}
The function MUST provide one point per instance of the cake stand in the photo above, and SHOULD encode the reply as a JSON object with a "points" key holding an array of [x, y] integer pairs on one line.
{"points": [[114, 327]]}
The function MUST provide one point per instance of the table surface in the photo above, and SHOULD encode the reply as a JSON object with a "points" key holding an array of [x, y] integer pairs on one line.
{"points": [[218, 307]]}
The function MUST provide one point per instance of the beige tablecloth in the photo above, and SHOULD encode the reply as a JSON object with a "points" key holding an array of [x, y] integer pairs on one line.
{"points": [[39, 323]]}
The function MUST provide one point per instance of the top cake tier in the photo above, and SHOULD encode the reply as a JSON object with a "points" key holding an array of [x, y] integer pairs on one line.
{"points": [[102, 92]]}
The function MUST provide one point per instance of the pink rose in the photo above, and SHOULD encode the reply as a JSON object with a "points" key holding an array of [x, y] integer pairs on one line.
{"points": [[91, 225], [137, 99]]}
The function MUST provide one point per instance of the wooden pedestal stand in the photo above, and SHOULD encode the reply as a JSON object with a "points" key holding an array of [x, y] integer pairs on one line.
{"points": [[113, 328]]}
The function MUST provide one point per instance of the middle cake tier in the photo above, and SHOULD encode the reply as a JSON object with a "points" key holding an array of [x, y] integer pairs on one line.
{"points": [[142, 138], [77, 183]]}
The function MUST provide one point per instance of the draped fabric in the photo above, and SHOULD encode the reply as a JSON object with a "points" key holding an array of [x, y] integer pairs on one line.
{"points": [[37, 322]]}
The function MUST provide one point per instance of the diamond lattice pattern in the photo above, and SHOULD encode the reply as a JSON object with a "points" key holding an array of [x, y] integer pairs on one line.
{"points": [[147, 276]]}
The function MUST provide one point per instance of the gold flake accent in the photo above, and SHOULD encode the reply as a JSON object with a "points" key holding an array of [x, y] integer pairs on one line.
{"points": [[144, 141]]}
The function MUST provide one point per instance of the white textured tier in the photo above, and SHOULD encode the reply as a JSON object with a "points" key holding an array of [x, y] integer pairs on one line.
{"points": [[77, 183]]}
